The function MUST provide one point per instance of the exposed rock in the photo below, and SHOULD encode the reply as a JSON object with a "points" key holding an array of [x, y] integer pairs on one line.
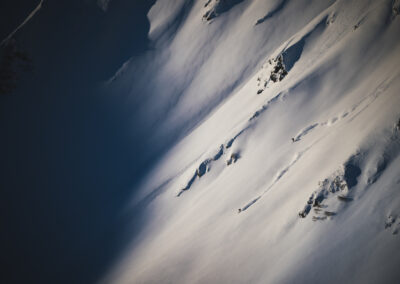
{"points": [[232, 159]]}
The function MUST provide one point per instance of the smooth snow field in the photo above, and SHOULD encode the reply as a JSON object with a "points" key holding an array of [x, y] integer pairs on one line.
{"points": [[285, 166]]}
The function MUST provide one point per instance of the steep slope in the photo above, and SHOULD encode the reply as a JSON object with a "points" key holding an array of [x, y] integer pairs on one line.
{"points": [[286, 164]]}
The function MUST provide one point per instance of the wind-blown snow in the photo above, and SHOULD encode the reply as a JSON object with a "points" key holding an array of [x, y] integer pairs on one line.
{"points": [[296, 183]]}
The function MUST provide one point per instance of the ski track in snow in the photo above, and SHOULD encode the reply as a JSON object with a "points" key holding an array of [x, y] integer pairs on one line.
{"points": [[351, 114], [279, 176], [343, 183], [356, 110], [228, 144]]}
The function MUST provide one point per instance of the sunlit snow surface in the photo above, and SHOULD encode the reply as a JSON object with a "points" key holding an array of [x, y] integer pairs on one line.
{"points": [[291, 179]]}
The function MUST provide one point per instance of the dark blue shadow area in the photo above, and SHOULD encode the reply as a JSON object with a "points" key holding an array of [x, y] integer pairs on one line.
{"points": [[225, 5], [292, 54], [70, 159], [13, 13], [351, 174]]}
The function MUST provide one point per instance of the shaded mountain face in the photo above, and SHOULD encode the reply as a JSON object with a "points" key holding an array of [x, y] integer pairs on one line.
{"points": [[13, 62], [213, 141], [68, 166]]}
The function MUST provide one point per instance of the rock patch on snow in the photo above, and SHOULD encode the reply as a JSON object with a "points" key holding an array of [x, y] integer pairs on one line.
{"points": [[341, 182]]}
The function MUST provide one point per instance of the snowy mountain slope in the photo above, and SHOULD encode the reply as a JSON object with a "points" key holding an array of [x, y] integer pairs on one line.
{"points": [[287, 165], [26, 20]]}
